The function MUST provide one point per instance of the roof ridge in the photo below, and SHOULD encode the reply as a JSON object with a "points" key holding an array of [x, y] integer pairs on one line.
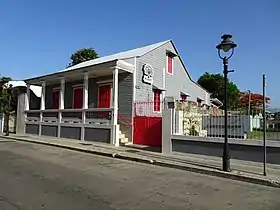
{"points": [[143, 46], [135, 52]]}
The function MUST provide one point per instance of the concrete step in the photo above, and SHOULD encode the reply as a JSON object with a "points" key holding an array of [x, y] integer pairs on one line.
{"points": [[123, 140], [126, 144]]}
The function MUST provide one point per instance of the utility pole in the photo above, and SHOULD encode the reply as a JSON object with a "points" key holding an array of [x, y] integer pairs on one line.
{"points": [[264, 125], [249, 105]]}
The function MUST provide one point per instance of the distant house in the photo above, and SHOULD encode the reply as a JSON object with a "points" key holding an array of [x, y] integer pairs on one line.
{"points": [[216, 102], [35, 95], [37, 90], [113, 99]]}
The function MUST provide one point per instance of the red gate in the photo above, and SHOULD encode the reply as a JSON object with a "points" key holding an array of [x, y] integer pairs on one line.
{"points": [[147, 125]]}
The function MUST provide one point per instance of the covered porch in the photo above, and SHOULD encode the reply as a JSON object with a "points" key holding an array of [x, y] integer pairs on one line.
{"points": [[78, 103]]}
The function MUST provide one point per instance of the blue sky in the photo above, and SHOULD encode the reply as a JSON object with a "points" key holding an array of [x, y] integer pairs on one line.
{"points": [[38, 37]]}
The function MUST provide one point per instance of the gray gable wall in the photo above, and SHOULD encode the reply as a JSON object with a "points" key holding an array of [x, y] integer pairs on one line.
{"points": [[173, 84]]}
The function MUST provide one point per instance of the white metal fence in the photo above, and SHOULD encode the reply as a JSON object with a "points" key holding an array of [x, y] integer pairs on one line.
{"points": [[209, 122]]}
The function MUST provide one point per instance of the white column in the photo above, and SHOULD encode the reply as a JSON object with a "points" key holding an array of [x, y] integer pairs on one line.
{"points": [[85, 104], [42, 107], [116, 95], [43, 93], [61, 95], [28, 97], [85, 91], [61, 104], [115, 113]]}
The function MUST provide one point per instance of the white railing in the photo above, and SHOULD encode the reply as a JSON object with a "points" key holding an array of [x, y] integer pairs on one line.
{"points": [[84, 116]]}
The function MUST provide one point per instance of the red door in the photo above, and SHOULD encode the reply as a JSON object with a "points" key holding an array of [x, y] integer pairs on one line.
{"points": [[104, 100], [55, 99], [104, 96], [78, 98]]}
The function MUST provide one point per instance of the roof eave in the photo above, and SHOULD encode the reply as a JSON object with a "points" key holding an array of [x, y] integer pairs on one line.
{"points": [[63, 73]]}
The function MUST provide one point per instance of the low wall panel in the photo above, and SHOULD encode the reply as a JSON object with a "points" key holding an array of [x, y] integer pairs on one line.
{"points": [[98, 135], [49, 130], [70, 132], [239, 149], [32, 129]]}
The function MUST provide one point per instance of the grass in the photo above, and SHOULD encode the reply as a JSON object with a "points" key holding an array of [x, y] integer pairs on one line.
{"points": [[259, 135]]}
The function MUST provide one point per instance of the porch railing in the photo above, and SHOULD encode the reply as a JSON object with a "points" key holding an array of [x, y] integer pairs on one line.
{"points": [[85, 116]]}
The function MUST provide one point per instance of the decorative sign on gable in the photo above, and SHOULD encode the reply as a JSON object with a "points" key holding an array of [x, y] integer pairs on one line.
{"points": [[148, 74]]}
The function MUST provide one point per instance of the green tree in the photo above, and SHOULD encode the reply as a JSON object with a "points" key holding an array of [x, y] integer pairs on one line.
{"points": [[214, 83], [82, 55], [4, 98], [4, 95]]}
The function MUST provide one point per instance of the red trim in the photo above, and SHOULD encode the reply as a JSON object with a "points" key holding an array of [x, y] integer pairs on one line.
{"points": [[157, 101], [170, 64]]}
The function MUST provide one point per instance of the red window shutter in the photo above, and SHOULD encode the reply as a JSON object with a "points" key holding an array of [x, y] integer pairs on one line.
{"points": [[157, 101], [55, 99], [170, 64]]}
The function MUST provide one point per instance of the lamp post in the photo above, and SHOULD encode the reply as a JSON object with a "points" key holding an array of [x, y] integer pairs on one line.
{"points": [[9, 91], [226, 45]]}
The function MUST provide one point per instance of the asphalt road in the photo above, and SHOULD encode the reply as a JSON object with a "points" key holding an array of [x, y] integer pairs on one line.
{"points": [[35, 177]]}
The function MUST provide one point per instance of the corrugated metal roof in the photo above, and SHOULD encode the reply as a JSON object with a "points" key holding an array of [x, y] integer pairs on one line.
{"points": [[118, 56]]}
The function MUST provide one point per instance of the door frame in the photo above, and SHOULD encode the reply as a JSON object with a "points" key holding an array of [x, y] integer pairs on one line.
{"points": [[111, 92]]}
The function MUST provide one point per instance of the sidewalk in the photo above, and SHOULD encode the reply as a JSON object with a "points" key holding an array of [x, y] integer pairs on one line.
{"points": [[241, 170]]}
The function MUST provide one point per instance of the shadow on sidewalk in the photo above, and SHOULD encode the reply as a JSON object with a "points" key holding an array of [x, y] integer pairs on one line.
{"points": [[7, 141], [144, 148]]}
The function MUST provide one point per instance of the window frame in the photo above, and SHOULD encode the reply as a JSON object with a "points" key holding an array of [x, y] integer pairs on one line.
{"points": [[157, 101], [184, 98], [199, 102], [169, 55]]}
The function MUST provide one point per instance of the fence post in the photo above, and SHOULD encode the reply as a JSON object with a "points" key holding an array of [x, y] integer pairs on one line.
{"points": [[264, 125], [21, 115], [2, 120], [167, 115]]}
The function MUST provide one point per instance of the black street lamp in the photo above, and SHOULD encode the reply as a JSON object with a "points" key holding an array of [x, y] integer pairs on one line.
{"points": [[9, 91], [226, 45]]}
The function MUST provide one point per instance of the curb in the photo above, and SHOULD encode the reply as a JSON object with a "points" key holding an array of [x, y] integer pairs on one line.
{"points": [[222, 174], [195, 169]]}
